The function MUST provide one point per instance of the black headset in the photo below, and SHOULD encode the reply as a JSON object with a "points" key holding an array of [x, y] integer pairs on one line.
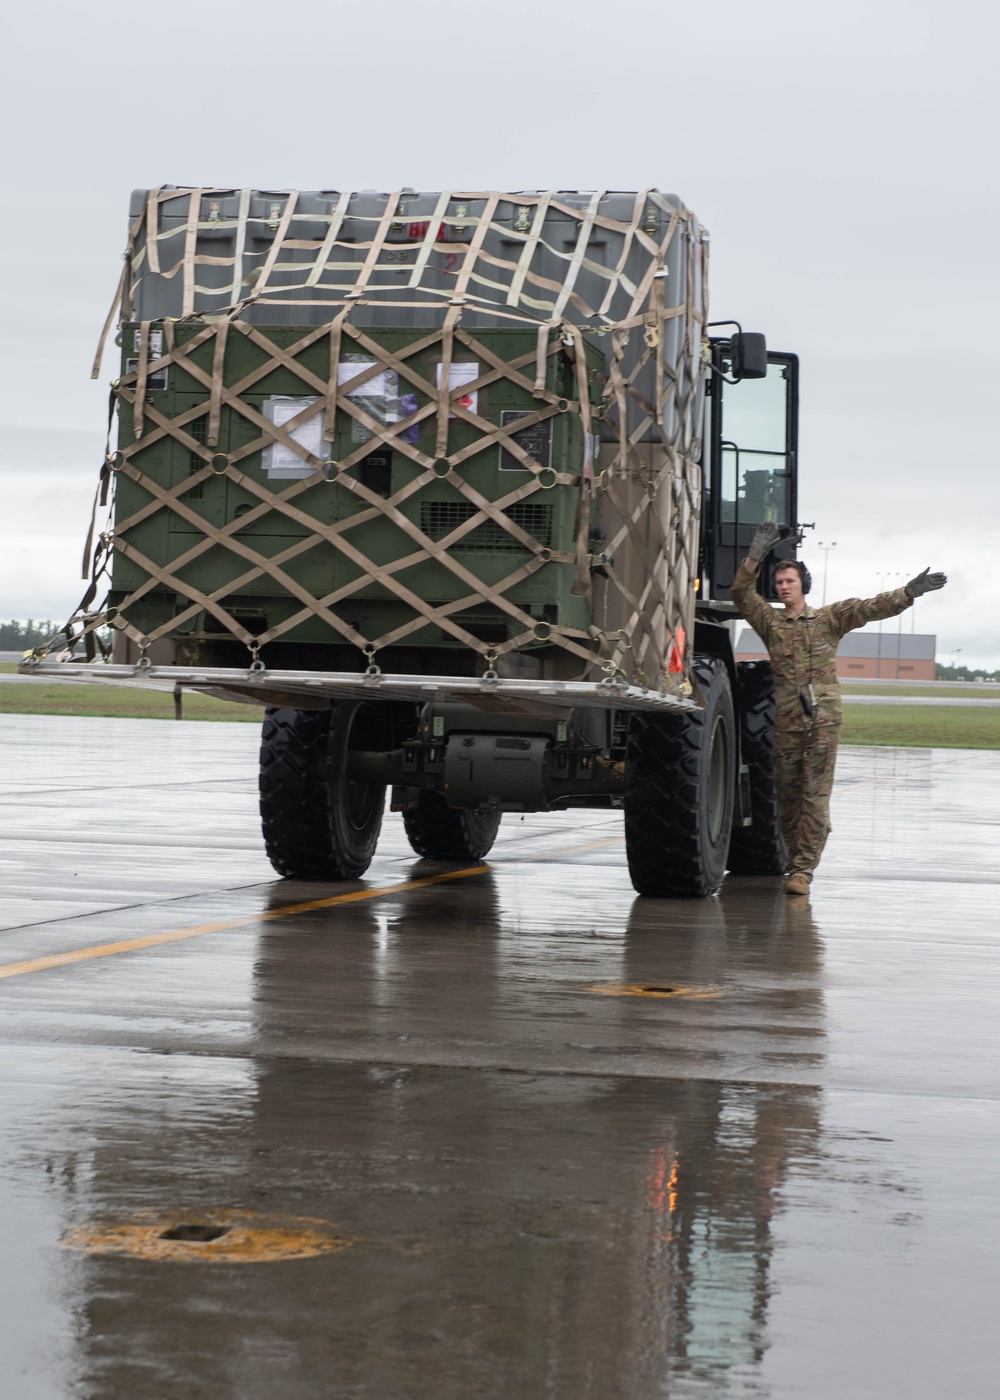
{"points": [[800, 569]]}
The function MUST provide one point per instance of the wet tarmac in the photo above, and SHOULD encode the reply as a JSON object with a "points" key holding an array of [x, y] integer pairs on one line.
{"points": [[548, 1139]]}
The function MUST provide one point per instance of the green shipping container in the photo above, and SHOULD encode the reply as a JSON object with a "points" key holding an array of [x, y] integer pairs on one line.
{"points": [[264, 501]]}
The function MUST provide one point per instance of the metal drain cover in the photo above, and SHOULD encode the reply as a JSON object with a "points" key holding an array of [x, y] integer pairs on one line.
{"points": [[654, 989], [217, 1237]]}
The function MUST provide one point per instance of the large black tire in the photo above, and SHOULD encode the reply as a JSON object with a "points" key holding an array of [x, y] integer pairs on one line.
{"points": [[758, 849], [680, 777], [440, 832], [317, 824]]}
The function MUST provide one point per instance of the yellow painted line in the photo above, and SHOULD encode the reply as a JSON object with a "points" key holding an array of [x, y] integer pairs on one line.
{"points": [[155, 940]]}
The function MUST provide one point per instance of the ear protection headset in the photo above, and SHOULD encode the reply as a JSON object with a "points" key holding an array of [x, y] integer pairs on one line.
{"points": [[799, 568]]}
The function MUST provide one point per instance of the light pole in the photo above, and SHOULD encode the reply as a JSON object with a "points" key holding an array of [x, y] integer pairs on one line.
{"points": [[878, 664], [955, 651], [826, 560]]}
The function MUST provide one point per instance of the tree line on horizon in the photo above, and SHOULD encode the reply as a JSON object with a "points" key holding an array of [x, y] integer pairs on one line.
{"points": [[964, 673], [16, 634]]}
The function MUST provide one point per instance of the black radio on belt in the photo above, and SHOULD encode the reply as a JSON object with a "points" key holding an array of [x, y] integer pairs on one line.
{"points": [[807, 699]]}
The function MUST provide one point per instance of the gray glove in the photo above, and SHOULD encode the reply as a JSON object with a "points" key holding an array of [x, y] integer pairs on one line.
{"points": [[925, 583], [764, 540]]}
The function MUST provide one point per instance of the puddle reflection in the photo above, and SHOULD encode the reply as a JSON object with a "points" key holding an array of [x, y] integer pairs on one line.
{"points": [[562, 1232]]}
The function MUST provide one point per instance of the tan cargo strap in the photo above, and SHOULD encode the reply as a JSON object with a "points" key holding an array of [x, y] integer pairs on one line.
{"points": [[280, 501], [646, 493]]}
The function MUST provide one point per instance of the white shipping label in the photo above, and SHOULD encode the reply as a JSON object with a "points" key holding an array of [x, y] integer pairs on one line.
{"points": [[155, 343], [375, 388], [282, 463], [458, 375], [378, 397]]}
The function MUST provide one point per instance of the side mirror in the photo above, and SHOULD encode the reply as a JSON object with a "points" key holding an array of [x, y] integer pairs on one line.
{"points": [[748, 353]]}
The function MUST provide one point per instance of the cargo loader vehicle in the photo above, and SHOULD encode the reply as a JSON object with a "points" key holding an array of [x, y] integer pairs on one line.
{"points": [[453, 485]]}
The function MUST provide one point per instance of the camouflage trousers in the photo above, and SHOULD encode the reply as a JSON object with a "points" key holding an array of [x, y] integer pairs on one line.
{"points": [[803, 776]]}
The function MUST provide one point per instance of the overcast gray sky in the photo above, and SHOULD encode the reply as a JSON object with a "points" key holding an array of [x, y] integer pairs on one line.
{"points": [[843, 158]]}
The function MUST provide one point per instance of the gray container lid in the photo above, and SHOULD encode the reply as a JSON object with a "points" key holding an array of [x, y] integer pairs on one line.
{"points": [[583, 256]]}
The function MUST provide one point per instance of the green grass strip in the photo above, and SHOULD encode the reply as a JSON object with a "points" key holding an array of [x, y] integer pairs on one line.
{"points": [[922, 727], [117, 702]]}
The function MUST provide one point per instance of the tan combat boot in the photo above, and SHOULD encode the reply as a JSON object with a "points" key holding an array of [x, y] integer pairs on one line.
{"points": [[797, 884]]}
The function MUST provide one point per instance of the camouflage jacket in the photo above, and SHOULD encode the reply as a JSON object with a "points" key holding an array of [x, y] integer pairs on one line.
{"points": [[803, 649]]}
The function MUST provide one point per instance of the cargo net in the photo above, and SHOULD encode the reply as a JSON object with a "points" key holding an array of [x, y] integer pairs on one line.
{"points": [[637, 579]]}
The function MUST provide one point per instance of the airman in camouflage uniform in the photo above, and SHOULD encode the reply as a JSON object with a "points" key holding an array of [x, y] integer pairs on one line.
{"points": [[802, 642]]}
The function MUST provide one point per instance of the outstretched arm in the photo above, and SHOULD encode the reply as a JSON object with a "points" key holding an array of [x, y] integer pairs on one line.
{"points": [[925, 583], [748, 601], [856, 612], [764, 540]]}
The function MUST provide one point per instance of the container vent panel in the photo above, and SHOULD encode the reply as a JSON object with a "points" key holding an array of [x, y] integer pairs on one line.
{"points": [[439, 518]]}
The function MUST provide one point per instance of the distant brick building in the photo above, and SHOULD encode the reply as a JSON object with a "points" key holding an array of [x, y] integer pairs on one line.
{"points": [[887, 656]]}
